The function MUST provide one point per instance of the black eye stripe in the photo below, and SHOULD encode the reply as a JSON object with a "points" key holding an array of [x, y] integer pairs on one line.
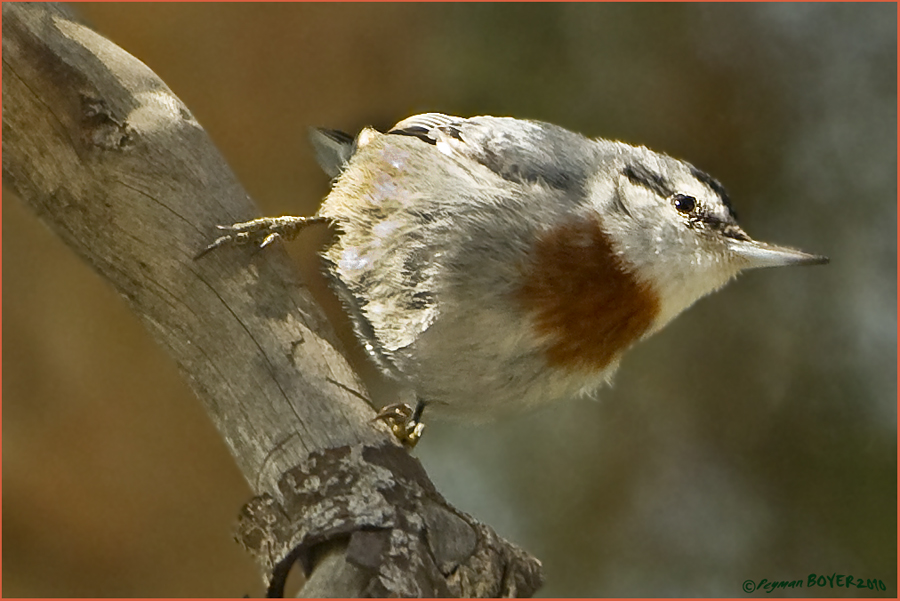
{"points": [[687, 205], [641, 176], [714, 185]]}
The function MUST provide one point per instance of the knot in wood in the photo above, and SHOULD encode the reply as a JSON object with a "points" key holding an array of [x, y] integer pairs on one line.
{"points": [[398, 529]]}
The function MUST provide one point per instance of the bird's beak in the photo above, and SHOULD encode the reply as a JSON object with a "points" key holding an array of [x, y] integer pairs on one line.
{"points": [[753, 255]]}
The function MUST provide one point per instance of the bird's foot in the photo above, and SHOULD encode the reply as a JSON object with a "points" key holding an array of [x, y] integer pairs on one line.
{"points": [[261, 232], [404, 422]]}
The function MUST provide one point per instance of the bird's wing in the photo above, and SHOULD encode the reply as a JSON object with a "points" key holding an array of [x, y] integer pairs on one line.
{"points": [[517, 150]]}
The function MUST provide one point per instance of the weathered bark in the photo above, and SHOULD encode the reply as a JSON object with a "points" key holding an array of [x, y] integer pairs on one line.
{"points": [[97, 145]]}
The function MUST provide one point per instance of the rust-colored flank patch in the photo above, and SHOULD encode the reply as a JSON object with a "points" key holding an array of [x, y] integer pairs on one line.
{"points": [[587, 306]]}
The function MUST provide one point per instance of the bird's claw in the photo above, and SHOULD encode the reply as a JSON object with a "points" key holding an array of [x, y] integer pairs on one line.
{"points": [[403, 422], [262, 232]]}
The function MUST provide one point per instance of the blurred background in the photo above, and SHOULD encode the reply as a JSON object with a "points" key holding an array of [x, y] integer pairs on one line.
{"points": [[755, 437]]}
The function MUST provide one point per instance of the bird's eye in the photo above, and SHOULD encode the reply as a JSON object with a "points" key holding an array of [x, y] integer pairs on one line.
{"points": [[684, 204]]}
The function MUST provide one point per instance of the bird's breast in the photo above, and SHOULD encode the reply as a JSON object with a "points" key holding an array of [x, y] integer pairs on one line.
{"points": [[586, 306]]}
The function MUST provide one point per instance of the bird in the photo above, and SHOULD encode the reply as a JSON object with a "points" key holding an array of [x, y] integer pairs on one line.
{"points": [[494, 264]]}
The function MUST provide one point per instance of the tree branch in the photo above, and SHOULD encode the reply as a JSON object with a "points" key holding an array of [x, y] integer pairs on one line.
{"points": [[116, 165]]}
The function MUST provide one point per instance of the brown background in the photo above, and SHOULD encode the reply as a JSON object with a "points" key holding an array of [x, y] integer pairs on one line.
{"points": [[754, 438]]}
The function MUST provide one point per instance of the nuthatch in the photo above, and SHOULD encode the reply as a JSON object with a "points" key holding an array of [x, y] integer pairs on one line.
{"points": [[496, 263]]}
